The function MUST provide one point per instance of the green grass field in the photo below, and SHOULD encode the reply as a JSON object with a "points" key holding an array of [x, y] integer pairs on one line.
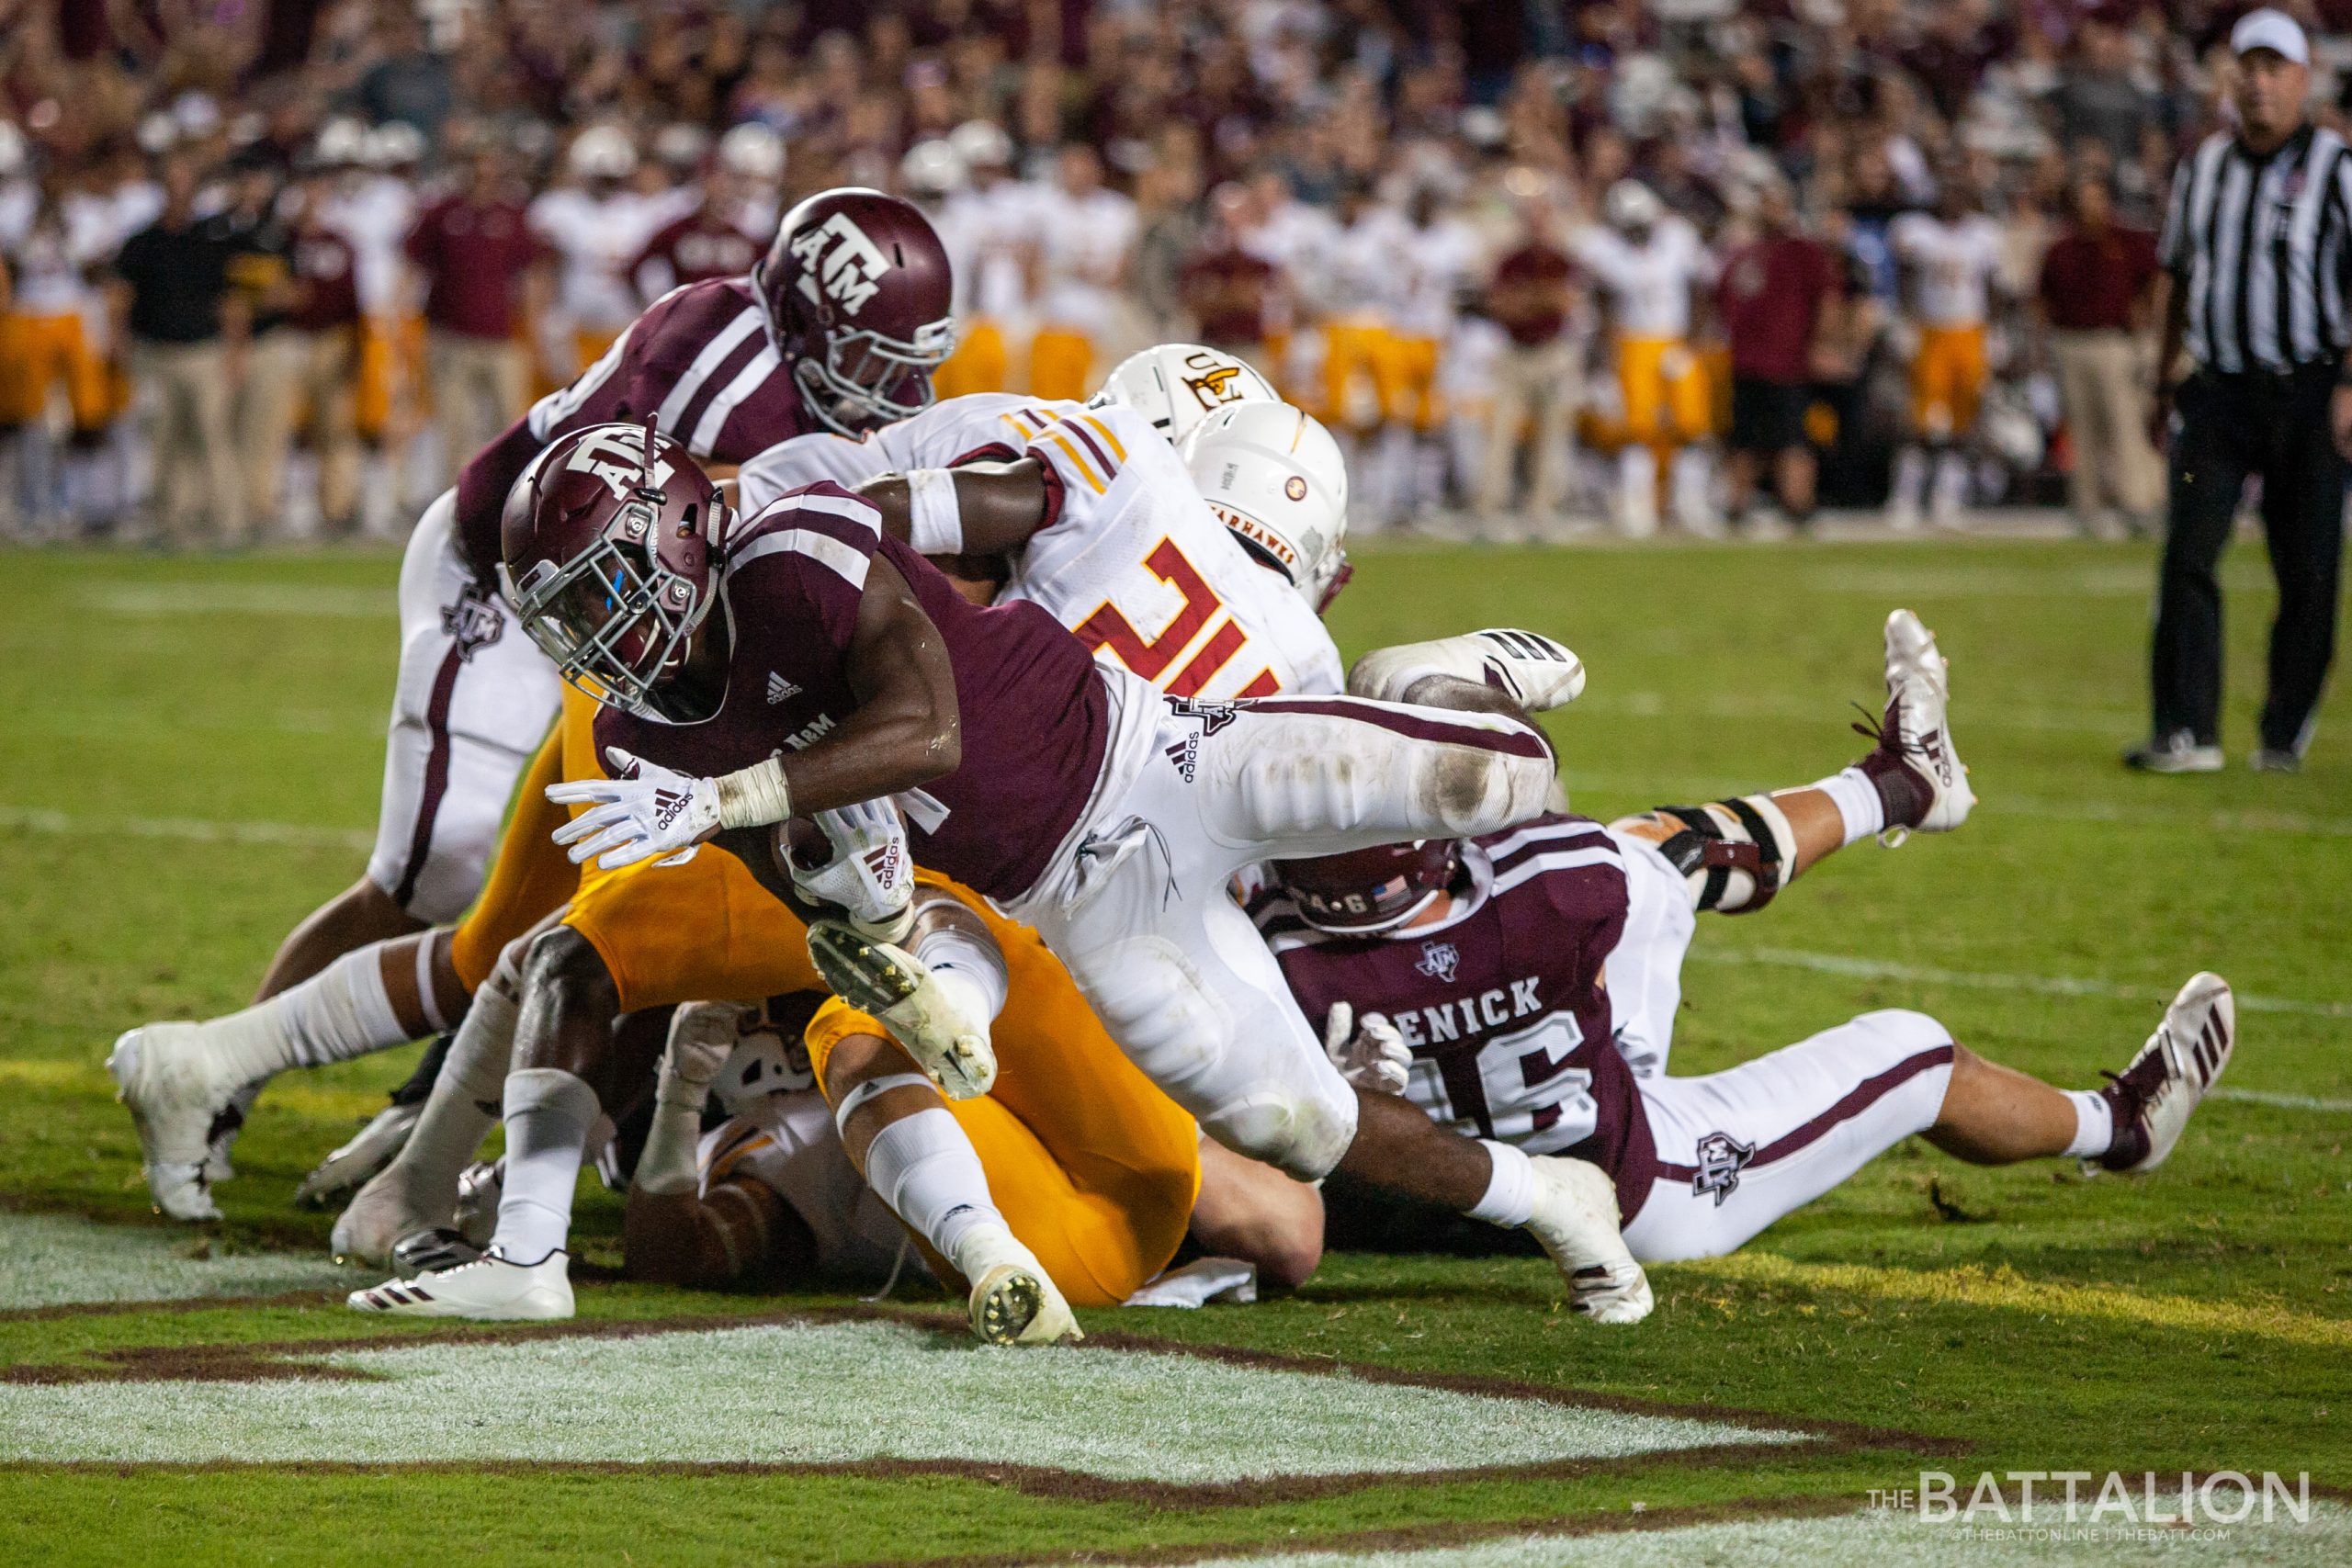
{"points": [[191, 756]]}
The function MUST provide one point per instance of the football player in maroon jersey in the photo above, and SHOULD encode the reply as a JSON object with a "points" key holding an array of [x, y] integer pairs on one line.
{"points": [[836, 328], [804, 660], [1521, 986]]}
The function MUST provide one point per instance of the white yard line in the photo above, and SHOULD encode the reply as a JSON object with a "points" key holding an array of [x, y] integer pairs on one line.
{"points": [[2282, 1102], [190, 829], [151, 599], [2041, 984]]}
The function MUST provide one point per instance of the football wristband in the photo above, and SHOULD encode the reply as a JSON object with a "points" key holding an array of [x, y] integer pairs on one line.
{"points": [[935, 523], [755, 797]]}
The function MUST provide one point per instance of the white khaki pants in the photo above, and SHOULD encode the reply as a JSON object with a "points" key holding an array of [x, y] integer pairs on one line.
{"points": [[2101, 383], [474, 699], [1138, 903], [1536, 391]]}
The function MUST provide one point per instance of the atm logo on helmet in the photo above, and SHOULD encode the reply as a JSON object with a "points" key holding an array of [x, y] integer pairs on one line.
{"points": [[837, 255]]}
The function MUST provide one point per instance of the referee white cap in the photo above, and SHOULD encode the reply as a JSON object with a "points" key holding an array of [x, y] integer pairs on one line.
{"points": [[2273, 30]]}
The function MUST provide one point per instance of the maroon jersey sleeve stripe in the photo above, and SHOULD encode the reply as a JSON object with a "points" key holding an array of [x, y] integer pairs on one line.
{"points": [[1520, 741]]}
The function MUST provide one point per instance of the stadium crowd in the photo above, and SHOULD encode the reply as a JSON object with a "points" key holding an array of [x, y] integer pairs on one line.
{"points": [[276, 269]]}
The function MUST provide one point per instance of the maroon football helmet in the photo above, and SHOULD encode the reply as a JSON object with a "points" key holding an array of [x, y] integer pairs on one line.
{"points": [[1364, 892], [610, 559], [857, 289]]}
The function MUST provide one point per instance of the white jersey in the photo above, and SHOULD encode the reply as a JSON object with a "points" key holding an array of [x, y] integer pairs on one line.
{"points": [[596, 240], [986, 232], [1951, 266], [1083, 242], [787, 1143], [1648, 285], [49, 264], [1359, 276], [373, 214], [1134, 562], [1440, 262]]}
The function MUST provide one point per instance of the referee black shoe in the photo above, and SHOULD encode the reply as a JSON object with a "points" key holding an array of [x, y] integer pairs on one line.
{"points": [[2177, 751]]}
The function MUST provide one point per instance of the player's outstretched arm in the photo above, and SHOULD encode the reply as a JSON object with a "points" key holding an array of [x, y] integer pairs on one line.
{"points": [[976, 509]]}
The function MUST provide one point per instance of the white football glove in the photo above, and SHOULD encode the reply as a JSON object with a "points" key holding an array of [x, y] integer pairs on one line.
{"points": [[702, 1036], [872, 874], [1368, 1052], [643, 810]]}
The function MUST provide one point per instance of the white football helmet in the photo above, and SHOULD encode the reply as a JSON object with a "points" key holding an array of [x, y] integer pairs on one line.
{"points": [[395, 144], [1178, 385], [602, 152], [1273, 475], [752, 151], [1630, 204]]}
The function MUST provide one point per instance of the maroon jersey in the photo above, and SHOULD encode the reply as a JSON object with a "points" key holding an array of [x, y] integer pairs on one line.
{"points": [[1034, 715], [474, 255], [701, 247], [1503, 1002], [701, 360], [1769, 299], [325, 273]]}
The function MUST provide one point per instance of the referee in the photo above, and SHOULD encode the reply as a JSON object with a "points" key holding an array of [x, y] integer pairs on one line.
{"points": [[2255, 247]]}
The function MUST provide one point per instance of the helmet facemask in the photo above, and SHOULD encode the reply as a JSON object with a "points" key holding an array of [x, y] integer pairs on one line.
{"points": [[865, 377]]}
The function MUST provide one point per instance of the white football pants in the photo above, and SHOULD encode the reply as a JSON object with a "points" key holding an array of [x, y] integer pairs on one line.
{"points": [[1739, 1148], [474, 700], [1138, 904]]}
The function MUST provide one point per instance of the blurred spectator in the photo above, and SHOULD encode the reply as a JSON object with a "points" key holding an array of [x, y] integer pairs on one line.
{"points": [[1779, 300], [2096, 101], [261, 265], [486, 276], [323, 322], [2094, 300], [408, 82], [1537, 381], [1085, 233], [1950, 264], [187, 326]]}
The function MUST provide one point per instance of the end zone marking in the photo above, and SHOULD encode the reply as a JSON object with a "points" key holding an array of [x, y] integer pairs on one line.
{"points": [[1170, 1424]]}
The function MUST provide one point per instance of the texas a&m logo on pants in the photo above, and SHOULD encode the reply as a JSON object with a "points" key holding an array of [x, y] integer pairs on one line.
{"points": [[1721, 1158]]}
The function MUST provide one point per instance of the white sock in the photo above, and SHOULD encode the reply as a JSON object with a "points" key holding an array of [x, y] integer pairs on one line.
{"points": [[926, 1171], [338, 1013], [1511, 1190], [464, 1104], [970, 970], [1859, 806], [2094, 1125], [549, 1113]]}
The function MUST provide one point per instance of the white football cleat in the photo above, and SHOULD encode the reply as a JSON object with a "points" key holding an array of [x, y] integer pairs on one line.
{"points": [[944, 1038], [176, 1091], [1015, 1301], [1533, 671], [361, 1159], [1575, 1219], [1915, 739], [489, 1290], [2172, 1072]]}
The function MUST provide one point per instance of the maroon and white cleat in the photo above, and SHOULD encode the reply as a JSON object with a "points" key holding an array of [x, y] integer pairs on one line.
{"points": [[1921, 781], [2151, 1099]]}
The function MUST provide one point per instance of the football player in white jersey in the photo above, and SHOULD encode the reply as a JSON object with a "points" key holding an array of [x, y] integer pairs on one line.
{"points": [[1949, 263], [1085, 231], [1653, 270], [598, 226]]}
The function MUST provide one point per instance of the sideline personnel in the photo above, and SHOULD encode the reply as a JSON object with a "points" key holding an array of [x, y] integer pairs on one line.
{"points": [[2255, 219]]}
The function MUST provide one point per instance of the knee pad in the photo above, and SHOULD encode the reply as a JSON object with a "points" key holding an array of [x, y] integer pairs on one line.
{"points": [[1735, 854], [1300, 1133]]}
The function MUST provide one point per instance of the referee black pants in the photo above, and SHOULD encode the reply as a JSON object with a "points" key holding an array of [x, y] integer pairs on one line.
{"points": [[2232, 427]]}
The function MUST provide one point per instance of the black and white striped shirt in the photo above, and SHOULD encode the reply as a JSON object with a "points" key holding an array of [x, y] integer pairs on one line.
{"points": [[2260, 246]]}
